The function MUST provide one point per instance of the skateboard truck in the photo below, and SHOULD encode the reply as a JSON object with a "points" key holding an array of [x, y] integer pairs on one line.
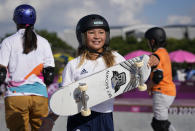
{"points": [[142, 86], [83, 98]]}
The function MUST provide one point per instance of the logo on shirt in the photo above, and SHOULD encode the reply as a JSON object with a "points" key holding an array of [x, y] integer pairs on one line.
{"points": [[83, 72]]}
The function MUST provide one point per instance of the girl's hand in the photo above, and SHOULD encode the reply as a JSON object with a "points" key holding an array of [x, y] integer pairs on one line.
{"points": [[153, 61]]}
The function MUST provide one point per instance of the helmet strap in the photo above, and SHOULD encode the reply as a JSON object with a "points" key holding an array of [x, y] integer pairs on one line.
{"points": [[94, 51], [83, 41]]}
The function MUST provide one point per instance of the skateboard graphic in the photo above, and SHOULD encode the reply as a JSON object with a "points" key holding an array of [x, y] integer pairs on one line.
{"points": [[79, 96]]}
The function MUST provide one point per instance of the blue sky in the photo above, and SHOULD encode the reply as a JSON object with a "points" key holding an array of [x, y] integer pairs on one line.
{"points": [[158, 11], [56, 15]]}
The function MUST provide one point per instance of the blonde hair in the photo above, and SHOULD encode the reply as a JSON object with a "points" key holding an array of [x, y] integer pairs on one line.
{"points": [[107, 56]]}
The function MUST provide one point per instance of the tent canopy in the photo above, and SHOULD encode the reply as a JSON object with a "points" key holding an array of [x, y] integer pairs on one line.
{"points": [[136, 53], [180, 56]]}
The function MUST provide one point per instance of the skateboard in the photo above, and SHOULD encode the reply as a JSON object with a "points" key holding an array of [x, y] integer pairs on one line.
{"points": [[79, 96]]}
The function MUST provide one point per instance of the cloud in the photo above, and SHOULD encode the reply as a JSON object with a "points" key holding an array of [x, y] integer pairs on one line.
{"points": [[73, 9], [126, 11], [176, 19], [6, 9]]}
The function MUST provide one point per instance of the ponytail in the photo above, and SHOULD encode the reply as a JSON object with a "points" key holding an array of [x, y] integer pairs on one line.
{"points": [[30, 40]]}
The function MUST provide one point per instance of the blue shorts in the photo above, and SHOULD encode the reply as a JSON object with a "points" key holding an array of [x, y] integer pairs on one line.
{"points": [[95, 122]]}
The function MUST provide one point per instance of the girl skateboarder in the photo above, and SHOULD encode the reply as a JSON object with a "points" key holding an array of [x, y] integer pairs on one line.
{"points": [[93, 35], [25, 56], [161, 85]]}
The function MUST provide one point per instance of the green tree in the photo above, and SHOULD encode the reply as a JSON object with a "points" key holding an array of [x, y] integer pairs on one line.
{"points": [[57, 44], [131, 44], [128, 45]]}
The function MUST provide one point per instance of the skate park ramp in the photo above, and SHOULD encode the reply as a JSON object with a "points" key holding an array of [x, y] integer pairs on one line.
{"points": [[126, 121]]}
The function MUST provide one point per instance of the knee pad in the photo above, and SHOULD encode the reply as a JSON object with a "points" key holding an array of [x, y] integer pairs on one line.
{"points": [[3, 73], [158, 76], [48, 74], [160, 125]]}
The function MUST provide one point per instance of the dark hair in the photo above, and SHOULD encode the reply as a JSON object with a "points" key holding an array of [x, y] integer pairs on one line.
{"points": [[29, 39]]}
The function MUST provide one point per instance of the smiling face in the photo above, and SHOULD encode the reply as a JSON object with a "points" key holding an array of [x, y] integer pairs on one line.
{"points": [[96, 39]]}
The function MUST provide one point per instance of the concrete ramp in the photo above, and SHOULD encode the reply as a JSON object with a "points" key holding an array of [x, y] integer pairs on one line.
{"points": [[124, 121]]}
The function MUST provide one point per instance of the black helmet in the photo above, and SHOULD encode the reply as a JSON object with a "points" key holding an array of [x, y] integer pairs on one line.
{"points": [[24, 14], [90, 22], [158, 34]]}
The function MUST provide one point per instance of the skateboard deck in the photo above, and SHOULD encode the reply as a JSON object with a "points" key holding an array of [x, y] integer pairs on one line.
{"points": [[101, 86]]}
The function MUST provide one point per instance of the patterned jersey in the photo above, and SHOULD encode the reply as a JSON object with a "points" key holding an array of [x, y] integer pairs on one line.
{"points": [[25, 70]]}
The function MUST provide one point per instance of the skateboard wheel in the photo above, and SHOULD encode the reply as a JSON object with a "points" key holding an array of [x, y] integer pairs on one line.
{"points": [[142, 87], [86, 113], [139, 64], [83, 87]]}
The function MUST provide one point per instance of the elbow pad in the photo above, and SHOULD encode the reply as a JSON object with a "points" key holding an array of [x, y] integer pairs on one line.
{"points": [[48, 74], [3, 73], [157, 76]]}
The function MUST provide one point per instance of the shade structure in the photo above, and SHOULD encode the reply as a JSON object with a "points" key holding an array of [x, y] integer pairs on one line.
{"points": [[180, 56], [136, 53]]}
